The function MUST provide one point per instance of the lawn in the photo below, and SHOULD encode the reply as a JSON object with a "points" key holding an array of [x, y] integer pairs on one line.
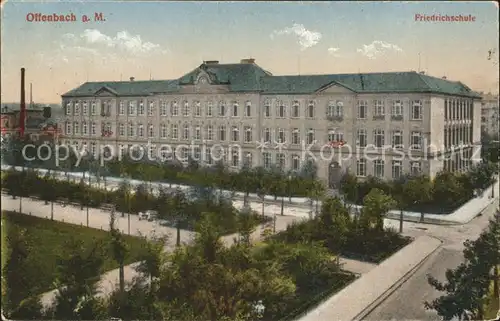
{"points": [[46, 239]]}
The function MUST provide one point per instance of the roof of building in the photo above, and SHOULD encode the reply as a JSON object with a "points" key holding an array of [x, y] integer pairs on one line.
{"points": [[249, 77], [14, 107]]}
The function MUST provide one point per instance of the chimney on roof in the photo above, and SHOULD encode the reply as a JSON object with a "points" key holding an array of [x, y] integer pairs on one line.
{"points": [[132, 78], [444, 77], [247, 61], [211, 62]]}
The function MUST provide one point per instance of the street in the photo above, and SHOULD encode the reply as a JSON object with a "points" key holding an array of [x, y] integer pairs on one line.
{"points": [[407, 302]]}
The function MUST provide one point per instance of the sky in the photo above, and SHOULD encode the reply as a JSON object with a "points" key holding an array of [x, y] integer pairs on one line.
{"points": [[164, 40]]}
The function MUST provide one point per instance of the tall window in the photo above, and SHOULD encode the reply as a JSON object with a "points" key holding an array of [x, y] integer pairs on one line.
{"points": [[163, 131], [131, 129], [77, 108], [330, 109], [248, 134], [235, 109], [151, 108], [140, 130], [68, 128], [235, 134], [362, 109], [281, 109], [235, 158], [185, 132], [361, 140], [76, 128], [185, 109], [361, 167], [267, 108], [397, 169], [248, 159], [163, 108], [197, 109], [175, 108], [416, 168], [397, 139], [222, 109], [85, 108], [197, 133], [281, 135], [266, 157], [310, 136], [93, 128], [295, 136], [175, 131], [416, 140], [210, 107], [248, 109], [379, 138], [267, 135], [151, 130], [295, 109], [69, 107], [379, 108], [280, 160], [295, 162], [378, 168], [85, 128], [131, 108], [397, 108], [93, 108], [121, 108], [416, 110], [141, 108], [210, 132], [310, 109], [222, 133], [339, 109]]}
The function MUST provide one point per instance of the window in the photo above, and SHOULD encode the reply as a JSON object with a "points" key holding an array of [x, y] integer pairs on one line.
{"points": [[235, 134], [210, 107], [93, 148], [379, 138], [163, 131], [222, 133], [295, 162], [185, 154], [151, 108], [281, 109], [248, 134], [361, 167], [267, 135], [131, 108], [93, 128], [69, 106], [208, 156], [415, 168], [397, 108], [175, 108], [185, 132], [185, 109], [151, 130], [131, 129], [446, 114], [331, 135], [339, 109], [235, 158], [295, 136], [397, 169], [93, 108], [222, 109], [310, 136], [339, 137], [210, 132], [361, 140], [85, 108], [248, 159], [76, 128], [416, 140], [85, 128], [235, 109], [248, 109], [197, 109], [140, 130], [397, 139], [281, 135], [362, 109], [378, 168], [295, 109], [175, 131], [163, 108], [379, 108], [267, 109], [121, 129], [140, 110], [266, 160], [416, 110], [152, 152], [310, 109], [121, 108], [197, 133], [280, 160]]}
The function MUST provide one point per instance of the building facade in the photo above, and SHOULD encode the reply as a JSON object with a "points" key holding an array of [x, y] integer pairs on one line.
{"points": [[490, 115], [389, 123]]}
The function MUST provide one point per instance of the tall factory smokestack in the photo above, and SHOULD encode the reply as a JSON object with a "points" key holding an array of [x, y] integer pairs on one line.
{"points": [[22, 114]]}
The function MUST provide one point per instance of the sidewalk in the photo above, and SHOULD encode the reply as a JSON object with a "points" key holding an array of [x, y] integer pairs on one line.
{"points": [[352, 302]]}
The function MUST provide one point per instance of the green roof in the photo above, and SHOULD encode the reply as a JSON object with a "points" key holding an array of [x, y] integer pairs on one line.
{"points": [[249, 77]]}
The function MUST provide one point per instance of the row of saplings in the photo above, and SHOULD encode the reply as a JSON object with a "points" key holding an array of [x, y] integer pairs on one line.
{"points": [[174, 207]]}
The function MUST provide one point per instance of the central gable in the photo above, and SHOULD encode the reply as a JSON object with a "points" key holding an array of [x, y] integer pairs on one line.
{"points": [[105, 91], [334, 88]]}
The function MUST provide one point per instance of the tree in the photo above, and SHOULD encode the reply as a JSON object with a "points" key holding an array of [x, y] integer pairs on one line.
{"points": [[334, 223], [179, 206], [48, 192], [376, 205], [418, 192], [119, 248]]}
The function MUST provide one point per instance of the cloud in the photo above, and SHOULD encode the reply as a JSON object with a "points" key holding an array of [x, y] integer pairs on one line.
{"points": [[377, 48], [305, 38], [334, 51]]}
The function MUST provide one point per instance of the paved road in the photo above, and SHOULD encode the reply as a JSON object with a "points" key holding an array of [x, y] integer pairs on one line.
{"points": [[407, 303]]}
